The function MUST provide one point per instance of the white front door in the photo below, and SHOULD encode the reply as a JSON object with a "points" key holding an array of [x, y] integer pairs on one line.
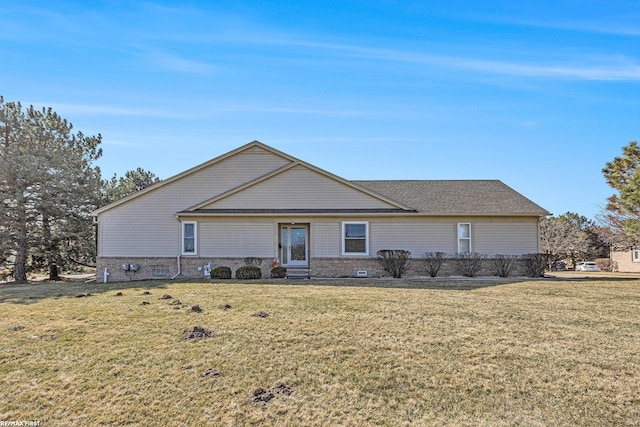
{"points": [[294, 248]]}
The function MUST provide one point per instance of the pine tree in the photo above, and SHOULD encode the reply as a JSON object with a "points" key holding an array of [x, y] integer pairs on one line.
{"points": [[623, 209], [48, 185]]}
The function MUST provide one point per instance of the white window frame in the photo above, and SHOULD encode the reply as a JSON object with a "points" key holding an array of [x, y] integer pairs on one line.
{"points": [[344, 238], [195, 237], [460, 238], [635, 255]]}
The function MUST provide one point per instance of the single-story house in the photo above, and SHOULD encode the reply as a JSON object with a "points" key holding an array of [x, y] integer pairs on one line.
{"points": [[259, 202]]}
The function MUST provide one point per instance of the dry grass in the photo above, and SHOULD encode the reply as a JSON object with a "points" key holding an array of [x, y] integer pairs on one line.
{"points": [[387, 353]]}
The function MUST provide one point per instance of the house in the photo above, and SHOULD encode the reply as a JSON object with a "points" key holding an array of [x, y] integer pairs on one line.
{"points": [[256, 201], [626, 261]]}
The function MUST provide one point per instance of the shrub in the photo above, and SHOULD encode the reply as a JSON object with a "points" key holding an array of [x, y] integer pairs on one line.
{"points": [[433, 262], [394, 261], [469, 264], [252, 260], [221, 273], [534, 264], [248, 272], [503, 264], [278, 272]]}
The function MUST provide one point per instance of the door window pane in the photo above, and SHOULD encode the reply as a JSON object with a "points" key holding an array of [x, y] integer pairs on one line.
{"points": [[284, 244], [298, 244]]}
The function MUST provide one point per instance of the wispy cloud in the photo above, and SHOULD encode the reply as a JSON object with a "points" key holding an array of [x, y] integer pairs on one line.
{"points": [[619, 28], [176, 63], [305, 110], [355, 140], [171, 62], [613, 71], [196, 112], [107, 110], [581, 68]]}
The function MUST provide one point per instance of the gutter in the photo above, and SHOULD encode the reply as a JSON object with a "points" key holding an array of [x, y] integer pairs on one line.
{"points": [[179, 272]]}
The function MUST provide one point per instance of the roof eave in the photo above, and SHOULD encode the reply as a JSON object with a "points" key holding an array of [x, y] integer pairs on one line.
{"points": [[355, 214]]}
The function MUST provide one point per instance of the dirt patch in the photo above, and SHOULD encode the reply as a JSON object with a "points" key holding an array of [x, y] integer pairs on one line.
{"points": [[166, 296], [119, 294], [260, 314], [266, 395], [176, 302], [146, 293], [195, 309], [224, 307], [15, 328], [212, 373], [145, 303], [196, 333], [83, 295]]}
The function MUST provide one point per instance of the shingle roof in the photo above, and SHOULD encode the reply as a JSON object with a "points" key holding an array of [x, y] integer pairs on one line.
{"points": [[456, 197]]}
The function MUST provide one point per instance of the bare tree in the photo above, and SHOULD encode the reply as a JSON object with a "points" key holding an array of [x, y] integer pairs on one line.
{"points": [[561, 238]]}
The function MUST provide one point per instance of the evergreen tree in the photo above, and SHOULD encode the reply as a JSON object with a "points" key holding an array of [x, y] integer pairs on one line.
{"points": [[48, 186], [133, 181], [623, 209]]}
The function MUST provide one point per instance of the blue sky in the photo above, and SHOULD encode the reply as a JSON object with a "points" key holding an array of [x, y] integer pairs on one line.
{"points": [[537, 94]]}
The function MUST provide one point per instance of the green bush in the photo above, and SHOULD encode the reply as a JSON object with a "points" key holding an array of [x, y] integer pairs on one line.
{"points": [[278, 272], [248, 272], [221, 273]]}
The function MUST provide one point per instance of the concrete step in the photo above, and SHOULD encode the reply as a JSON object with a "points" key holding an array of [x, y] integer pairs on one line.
{"points": [[298, 273]]}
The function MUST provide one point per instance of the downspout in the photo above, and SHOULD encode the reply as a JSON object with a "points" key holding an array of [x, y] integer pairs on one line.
{"points": [[178, 273], [106, 274]]}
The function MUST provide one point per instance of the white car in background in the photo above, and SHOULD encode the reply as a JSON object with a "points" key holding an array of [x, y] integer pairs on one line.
{"points": [[587, 266]]}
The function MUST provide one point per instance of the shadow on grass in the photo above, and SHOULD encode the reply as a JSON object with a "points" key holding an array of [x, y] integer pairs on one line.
{"points": [[439, 283], [37, 291], [33, 292]]}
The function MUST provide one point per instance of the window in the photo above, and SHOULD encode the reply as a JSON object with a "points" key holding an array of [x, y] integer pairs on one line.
{"points": [[636, 255], [189, 237], [464, 238], [159, 271], [355, 238]]}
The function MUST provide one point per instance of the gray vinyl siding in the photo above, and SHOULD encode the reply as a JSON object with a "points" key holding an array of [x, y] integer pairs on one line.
{"points": [[299, 187], [417, 235], [147, 225], [258, 237], [507, 238], [325, 239], [237, 239]]}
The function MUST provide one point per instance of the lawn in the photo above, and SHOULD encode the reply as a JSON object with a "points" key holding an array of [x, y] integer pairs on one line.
{"points": [[477, 353]]}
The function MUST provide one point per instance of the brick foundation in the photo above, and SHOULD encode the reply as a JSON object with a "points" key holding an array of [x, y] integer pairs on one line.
{"points": [[166, 268]]}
